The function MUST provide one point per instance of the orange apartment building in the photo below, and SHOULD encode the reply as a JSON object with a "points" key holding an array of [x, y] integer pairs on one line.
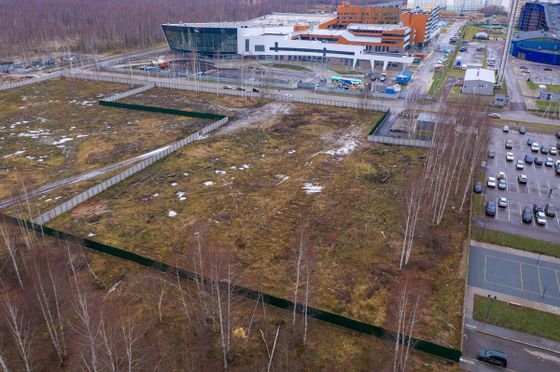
{"points": [[423, 24], [381, 14]]}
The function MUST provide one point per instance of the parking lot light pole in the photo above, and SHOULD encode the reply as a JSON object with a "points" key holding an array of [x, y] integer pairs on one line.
{"points": [[492, 299]]}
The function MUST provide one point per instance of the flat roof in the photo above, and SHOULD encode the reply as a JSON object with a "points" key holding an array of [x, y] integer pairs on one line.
{"points": [[480, 74], [273, 19]]}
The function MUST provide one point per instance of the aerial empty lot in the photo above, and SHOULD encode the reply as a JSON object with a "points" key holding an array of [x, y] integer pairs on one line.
{"points": [[54, 129], [288, 175]]}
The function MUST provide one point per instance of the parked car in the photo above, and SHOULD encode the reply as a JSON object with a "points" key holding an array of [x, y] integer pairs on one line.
{"points": [[502, 202], [509, 156], [549, 162], [505, 129], [522, 179], [538, 161], [530, 141], [227, 87], [477, 187], [547, 69], [494, 115], [490, 208], [540, 218], [522, 130], [509, 144], [496, 357], [544, 149], [549, 210], [502, 184], [526, 215], [491, 182], [553, 150], [535, 147], [528, 159], [537, 208], [519, 165], [491, 154], [557, 134], [557, 169], [255, 90]]}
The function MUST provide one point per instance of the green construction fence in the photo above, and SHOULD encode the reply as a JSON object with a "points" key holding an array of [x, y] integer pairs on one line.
{"points": [[162, 110]]}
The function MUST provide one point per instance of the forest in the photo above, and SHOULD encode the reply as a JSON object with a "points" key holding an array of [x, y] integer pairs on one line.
{"points": [[44, 26]]}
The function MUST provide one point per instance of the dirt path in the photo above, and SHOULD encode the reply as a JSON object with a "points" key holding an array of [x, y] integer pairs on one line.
{"points": [[256, 117]]}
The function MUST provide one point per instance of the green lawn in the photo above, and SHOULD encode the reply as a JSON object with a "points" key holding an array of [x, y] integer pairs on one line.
{"points": [[516, 241], [435, 82], [551, 106], [517, 318], [288, 66], [534, 86], [347, 72]]}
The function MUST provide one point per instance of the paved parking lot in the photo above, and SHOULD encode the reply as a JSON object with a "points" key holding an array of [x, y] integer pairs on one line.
{"points": [[543, 186], [524, 277]]}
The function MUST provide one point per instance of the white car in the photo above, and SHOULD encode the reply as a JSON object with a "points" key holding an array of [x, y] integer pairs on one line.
{"points": [[535, 147], [540, 217], [502, 202], [522, 179], [520, 165], [495, 115], [553, 150], [491, 182], [509, 156], [505, 129], [501, 175]]}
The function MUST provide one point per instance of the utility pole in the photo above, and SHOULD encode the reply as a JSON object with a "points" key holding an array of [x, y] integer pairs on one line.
{"points": [[505, 53]]}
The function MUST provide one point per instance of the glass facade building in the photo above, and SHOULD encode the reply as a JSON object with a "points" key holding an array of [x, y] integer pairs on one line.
{"points": [[204, 40]]}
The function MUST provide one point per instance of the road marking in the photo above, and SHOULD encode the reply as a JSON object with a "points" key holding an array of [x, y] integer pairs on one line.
{"points": [[509, 215], [539, 276], [521, 275], [557, 278]]}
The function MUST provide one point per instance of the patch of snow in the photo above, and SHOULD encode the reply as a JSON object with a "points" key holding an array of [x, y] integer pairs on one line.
{"points": [[48, 200], [171, 214], [283, 178], [291, 152], [90, 235], [63, 140], [113, 288], [174, 184], [244, 166], [186, 174], [217, 171], [208, 183], [310, 188], [156, 195], [82, 135], [58, 197], [345, 149], [181, 195], [19, 152]]}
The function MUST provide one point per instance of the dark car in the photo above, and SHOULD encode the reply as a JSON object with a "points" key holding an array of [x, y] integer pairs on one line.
{"points": [[544, 149], [256, 90], [522, 130], [496, 357], [491, 154], [557, 170], [477, 187], [526, 215], [530, 141], [547, 69], [537, 208], [528, 159], [538, 161], [491, 208], [549, 210], [557, 134]]}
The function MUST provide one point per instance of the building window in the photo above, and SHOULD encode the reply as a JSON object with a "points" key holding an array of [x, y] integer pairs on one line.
{"points": [[247, 45], [259, 48]]}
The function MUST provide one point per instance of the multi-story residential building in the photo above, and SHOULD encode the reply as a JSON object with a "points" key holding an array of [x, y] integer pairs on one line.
{"points": [[382, 13], [423, 24], [536, 16]]}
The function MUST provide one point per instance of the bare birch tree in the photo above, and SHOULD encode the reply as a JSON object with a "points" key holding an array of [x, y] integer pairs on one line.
{"points": [[20, 331], [406, 320]]}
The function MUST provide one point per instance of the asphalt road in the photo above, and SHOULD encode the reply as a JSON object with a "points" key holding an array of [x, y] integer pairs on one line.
{"points": [[520, 357]]}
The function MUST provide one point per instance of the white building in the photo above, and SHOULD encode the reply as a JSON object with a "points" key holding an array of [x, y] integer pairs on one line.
{"points": [[293, 37], [479, 81]]}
